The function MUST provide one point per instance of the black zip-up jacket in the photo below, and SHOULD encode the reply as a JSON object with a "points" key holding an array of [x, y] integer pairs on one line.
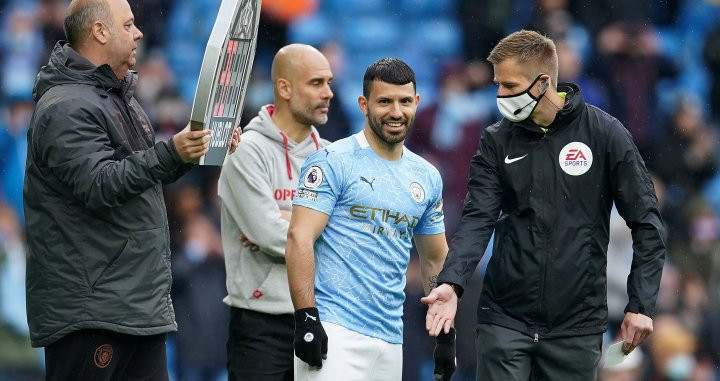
{"points": [[548, 197], [97, 231]]}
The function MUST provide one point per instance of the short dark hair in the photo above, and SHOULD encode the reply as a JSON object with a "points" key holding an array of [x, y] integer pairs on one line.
{"points": [[80, 17], [388, 70]]}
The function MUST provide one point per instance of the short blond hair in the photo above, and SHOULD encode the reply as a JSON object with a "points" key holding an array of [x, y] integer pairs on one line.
{"points": [[533, 51]]}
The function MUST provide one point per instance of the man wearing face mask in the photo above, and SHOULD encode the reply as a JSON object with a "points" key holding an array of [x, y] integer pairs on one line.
{"points": [[544, 179]]}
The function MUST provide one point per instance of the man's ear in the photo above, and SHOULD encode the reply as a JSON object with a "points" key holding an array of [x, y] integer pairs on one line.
{"points": [[362, 102], [100, 32], [284, 88]]}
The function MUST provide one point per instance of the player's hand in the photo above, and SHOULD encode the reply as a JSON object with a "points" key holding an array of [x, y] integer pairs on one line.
{"points": [[311, 342], [635, 329], [235, 139], [191, 145], [444, 354], [442, 306], [247, 243]]}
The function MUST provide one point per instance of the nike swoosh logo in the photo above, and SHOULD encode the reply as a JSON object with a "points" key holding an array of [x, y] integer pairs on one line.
{"points": [[508, 160]]}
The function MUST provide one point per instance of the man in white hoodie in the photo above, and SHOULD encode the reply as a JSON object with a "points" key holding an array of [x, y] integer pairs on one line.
{"points": [[256, 189]]}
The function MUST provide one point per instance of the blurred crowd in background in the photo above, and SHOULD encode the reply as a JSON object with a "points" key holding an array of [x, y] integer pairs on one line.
{"points": [[655, 65]]}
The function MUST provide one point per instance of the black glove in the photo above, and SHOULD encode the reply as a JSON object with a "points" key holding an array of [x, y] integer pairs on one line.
{"points": [[310, 338], [444, 355]]}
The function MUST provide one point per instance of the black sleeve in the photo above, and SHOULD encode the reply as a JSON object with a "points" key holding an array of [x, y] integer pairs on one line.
{"points": [[636, 202], [73, 143], [480, 213]]}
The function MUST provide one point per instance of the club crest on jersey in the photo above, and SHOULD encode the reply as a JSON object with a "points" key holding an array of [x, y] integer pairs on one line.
{"points": [[313, 177], [417, 192], [575, 158]]}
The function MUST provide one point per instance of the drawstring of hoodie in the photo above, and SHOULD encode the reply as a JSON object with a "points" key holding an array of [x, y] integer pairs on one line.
{"points": [[315, 139], [287, 155], [287, 151]]}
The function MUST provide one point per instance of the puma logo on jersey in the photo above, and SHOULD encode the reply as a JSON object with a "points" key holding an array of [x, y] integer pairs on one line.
{"points": [[368, 182], [308, 316]]}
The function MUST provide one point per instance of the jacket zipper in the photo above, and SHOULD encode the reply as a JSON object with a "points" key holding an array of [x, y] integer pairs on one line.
{"points": [[541, 232]]}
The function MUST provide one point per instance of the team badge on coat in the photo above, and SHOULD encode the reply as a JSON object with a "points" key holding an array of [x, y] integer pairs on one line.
{"points": [[575, 158]]}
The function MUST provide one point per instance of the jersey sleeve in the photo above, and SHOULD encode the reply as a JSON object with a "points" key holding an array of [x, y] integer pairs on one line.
{"points": [[319, 185], [433, 219]]}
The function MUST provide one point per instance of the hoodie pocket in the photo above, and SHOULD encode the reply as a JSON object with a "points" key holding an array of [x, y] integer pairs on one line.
{"points": [[275, 286]]}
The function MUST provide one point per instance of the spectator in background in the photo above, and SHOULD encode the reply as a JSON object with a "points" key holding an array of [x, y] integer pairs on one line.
{"points": [[98, 273], [672, 348], [446, 135], [18, 361], [20, 42], [684, 160], [571, 69], [630, 62], [711, 55], [13, 146], [151, 17], [51, 14], [198, 288], [274, 19], [595, 15], [553, 19], [338, 125], [483, 23], [256, 189], [161, 83]]}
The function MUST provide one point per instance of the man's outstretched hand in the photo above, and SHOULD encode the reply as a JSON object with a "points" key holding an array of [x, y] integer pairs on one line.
{"points": [[442, 306]]}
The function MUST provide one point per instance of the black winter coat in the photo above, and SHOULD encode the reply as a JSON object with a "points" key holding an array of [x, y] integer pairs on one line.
{"points": [[97, 231], [548, 198]]}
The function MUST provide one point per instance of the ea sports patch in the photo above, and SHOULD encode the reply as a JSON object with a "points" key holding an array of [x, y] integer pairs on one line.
{"points": [[575, 158], [313, 177], [417, 192]]}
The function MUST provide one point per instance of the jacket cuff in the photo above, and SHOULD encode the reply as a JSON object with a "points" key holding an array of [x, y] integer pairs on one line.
{"points": [[455, 284], [635, 307], [173, 153]]}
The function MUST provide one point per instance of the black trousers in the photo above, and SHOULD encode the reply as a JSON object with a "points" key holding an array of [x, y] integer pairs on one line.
{"points": [[260, 346], [100, 355], [508, 355]]}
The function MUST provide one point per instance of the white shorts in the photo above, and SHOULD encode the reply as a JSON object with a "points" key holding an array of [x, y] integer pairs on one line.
{"points": [[353, 356]]}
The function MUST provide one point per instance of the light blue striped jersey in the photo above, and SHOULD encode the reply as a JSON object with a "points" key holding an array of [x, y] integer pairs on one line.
{"points": [[375, 208]]}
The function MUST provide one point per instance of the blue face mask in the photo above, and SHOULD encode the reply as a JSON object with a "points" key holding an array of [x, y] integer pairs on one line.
{"points": [[679, 367], [519, 107]]}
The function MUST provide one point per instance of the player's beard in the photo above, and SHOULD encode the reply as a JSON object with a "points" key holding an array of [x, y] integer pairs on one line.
{"points": [[376, 124], [309, 115]]}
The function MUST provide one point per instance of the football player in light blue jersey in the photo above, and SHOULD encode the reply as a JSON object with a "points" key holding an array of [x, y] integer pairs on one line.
{"points": [[360, 203]]}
